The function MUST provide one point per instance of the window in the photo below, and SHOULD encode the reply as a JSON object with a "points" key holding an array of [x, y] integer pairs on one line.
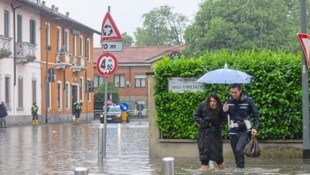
{"points": [[87, 54], [59, 96], [67, 95], [119, 80], [81, 97], [66, 40], [81, 46], [140, 81], [19, 28], [32, 31], [58, 39], [6, 23], [34, 91], [20, 92], [98, 81], [74, 46], [48, 34], [7, 91]]}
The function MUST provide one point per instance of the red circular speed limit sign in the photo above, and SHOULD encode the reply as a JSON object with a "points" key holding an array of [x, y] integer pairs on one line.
{"points": [[106, 64]]}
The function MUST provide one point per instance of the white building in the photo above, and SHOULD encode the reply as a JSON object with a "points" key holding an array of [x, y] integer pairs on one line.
{"points": [[20, 64]]}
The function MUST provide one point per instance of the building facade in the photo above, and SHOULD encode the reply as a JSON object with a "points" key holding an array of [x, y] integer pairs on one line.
{"points": [[45, 57], [134, 63]]}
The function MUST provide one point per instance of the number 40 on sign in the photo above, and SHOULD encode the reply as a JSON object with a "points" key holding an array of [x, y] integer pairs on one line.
{"points": [[106, 64]]}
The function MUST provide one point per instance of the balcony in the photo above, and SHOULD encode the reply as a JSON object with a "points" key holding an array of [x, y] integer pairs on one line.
{"points": [[78, 64], [5, 50], [63, 60], [25, 52]]}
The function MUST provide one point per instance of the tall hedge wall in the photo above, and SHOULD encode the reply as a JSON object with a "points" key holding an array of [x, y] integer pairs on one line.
{"points": [[276, 90]]}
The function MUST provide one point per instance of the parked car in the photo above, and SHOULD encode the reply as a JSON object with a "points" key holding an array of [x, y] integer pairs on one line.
{"points": [[114, 114]]}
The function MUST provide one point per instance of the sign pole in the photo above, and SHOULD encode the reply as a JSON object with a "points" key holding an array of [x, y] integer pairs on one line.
{"points": [[305, 93], [105, 116]]}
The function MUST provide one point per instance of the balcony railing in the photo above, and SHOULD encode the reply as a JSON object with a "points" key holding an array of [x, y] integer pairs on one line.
{"points": [[78, 64], [25, 52], [5, 49], [63, 60]]}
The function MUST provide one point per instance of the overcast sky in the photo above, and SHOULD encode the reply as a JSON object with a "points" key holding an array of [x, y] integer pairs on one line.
{"points": [[125, 13]]}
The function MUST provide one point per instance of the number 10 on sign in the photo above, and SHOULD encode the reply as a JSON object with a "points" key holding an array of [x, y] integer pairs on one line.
{"points": [[106, 64]]}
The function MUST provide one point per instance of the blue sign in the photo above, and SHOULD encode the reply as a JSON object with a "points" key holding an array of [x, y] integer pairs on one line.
{"points": [[124, 107]]}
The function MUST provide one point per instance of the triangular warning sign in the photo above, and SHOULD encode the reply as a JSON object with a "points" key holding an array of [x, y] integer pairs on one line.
{"points": [[304, 40], [109, 31]]}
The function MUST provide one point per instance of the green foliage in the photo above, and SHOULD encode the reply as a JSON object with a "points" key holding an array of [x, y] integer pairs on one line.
{"points": [[243, 25], [161, 27], [127, 40], [99, 96], [276, 91]]}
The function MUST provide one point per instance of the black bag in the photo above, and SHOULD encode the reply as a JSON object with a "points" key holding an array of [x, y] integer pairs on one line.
{"points": [[252, 148]]}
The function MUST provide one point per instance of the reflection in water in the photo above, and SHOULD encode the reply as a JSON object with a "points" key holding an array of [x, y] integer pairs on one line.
{"points": [[59, 148]]}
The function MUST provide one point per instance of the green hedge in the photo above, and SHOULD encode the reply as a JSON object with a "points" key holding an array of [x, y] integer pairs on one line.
{"points": [[276, 90]]}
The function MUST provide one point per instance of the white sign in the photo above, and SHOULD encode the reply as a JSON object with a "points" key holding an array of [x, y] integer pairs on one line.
{"points": [[106, 64], [112, 46], [109, 31], [179, 85]]}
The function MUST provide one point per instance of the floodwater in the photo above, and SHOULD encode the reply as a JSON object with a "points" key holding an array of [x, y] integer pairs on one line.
{"points": [[56, 149]]}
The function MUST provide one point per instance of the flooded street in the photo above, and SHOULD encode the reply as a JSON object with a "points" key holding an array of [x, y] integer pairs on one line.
{"points": [[59, 148]]}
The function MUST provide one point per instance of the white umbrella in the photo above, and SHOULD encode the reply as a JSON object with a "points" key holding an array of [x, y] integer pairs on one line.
{"points": [[225, 76]]}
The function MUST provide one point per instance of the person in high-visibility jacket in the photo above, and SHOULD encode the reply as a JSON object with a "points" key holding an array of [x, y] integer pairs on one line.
{"points": [[78, 108], [34, 111]]}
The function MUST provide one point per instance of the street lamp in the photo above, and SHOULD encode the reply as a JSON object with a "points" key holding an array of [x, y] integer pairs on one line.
{"points": [[305, 86], [46, 73]]}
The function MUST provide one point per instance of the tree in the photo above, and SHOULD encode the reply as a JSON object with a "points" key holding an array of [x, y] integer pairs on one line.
{"points": [[241, 25], [99, 96], [161, 27], [127, 40]]}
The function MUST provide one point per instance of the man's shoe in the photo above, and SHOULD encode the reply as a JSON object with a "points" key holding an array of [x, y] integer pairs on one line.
{"points": [[37, 122], [239, 170]]}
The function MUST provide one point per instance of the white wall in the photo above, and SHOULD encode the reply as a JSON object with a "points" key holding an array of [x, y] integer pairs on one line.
{"points": [[28, 71]]}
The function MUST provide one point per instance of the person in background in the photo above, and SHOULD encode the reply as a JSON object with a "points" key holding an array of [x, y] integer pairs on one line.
{"points": [[34, 111], [78, 107], [3, 115], [239, 107], [209, 116]]}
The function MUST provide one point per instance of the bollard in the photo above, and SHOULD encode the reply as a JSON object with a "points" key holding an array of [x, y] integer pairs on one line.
{"points": [[100, 143], [168, 165], [80, 171]]}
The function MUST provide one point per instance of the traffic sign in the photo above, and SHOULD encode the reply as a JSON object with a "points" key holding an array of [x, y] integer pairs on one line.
{"points": [[112, 46], [124, 107], [109, 31], [175, 55], [106, 64], [304, 40]]}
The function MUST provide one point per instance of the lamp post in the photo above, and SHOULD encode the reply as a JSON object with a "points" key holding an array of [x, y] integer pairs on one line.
{"points": [[305, 93], [46, 74]]}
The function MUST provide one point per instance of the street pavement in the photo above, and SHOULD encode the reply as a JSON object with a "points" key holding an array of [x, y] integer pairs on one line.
{"points": [[57, 149]]}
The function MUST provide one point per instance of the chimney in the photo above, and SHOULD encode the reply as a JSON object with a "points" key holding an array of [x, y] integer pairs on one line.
{"points": [[56, 9], [43, 3], [67, 14], [53, 7]]}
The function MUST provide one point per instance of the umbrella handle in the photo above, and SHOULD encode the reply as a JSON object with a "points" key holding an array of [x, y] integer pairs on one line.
{"points": [[228, 121]]}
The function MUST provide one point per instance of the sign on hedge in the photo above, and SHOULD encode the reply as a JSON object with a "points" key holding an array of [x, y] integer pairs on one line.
{"points": [[179, 85]]}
